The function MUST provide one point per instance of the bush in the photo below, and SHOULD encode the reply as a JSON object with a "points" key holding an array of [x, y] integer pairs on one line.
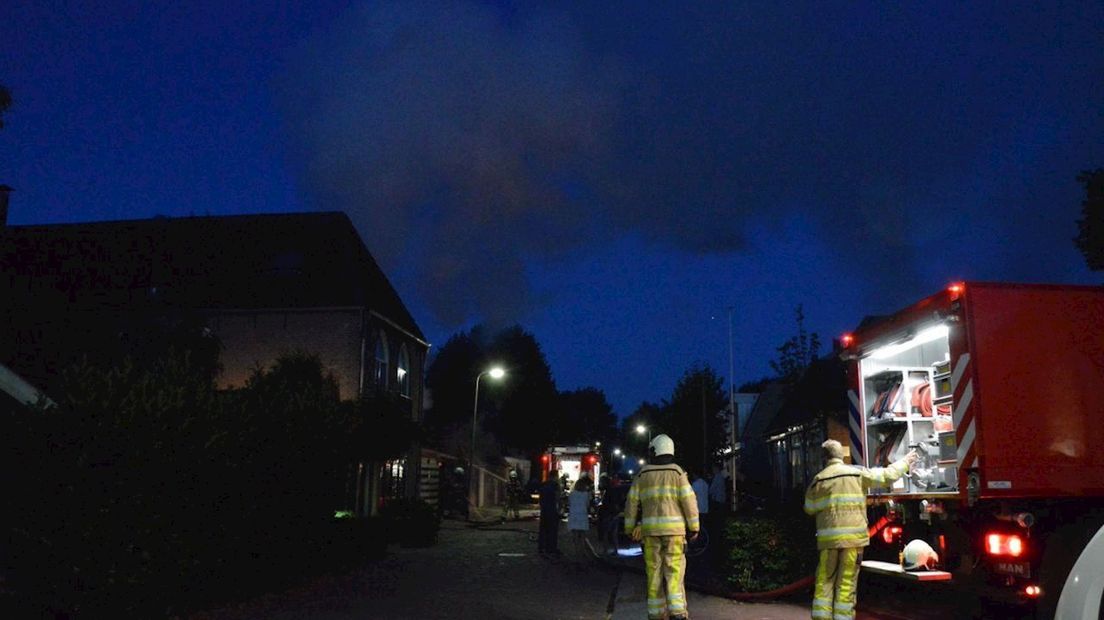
{"points": [[767, 553], [411, 522], [145, 492], [354, 539]]}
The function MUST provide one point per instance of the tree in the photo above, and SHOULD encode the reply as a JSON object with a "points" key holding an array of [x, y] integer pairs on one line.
{"points": [[587, 417], [518, 414], [450, 378], [795, 355], [693, 416], [5, 103], [528, 411], [1090, 228]]}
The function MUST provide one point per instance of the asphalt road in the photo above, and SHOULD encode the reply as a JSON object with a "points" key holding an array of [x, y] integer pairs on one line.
{"points": [[494, 572]]}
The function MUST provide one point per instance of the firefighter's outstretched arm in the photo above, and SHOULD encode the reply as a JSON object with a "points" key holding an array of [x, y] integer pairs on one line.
{"points": [[884, 476]]}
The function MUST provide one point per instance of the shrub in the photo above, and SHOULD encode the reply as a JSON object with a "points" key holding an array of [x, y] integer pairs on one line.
{"points": [[411, 522], [768, 553], [144, 492]]}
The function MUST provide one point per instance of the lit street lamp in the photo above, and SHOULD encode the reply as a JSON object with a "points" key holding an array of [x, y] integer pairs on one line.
{"points": [[641, 429], [496, 372], [641, 461], [617, 451]]}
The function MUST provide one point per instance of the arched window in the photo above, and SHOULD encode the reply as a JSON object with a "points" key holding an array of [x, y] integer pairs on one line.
{"points": [[383, 361], [403, 371]]}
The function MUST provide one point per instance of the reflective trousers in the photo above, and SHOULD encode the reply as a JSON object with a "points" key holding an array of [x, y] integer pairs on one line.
{"points": [[837, 583], [665, 560]]}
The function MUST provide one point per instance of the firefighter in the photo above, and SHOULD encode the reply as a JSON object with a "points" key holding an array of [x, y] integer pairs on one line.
{"points": [[837, 497], [513, 497], [661, 509]]}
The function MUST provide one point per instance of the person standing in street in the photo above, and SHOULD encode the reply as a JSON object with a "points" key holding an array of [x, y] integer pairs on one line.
{"points": [[662, 511], [837, 498], [718, 490], [549, 492], [513, 496], [701, 493], [578, 513]]}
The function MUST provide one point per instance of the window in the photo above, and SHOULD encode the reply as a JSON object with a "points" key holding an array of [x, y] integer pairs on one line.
{"points": [[392, 480], [403, 371], [383, 360]]}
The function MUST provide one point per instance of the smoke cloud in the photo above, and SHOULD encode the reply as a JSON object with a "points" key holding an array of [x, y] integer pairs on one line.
{"points": [[467, 139]]}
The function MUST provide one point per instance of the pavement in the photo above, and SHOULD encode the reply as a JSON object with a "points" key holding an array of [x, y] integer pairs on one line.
{"points": [[630, 604], [490, 569]]}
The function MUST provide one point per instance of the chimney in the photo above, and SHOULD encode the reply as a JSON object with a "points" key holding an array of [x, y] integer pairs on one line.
{"points": [[4, 192]]}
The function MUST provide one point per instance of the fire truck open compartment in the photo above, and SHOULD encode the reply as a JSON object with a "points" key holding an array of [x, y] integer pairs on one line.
{"points": [[906, 399]]}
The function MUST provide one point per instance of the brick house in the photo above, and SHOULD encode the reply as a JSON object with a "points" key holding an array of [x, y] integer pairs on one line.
{"points": [[263, 284]]}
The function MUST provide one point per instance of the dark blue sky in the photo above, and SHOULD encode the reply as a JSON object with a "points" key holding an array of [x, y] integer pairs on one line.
{"points": [[611, 175]]}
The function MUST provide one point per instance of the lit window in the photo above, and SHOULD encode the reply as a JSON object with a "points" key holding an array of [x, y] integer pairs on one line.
{"points": [[403, 371], [383, 360]]}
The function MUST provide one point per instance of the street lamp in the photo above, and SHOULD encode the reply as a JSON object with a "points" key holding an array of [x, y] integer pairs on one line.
{"points": [[617, 451], [495, 372], [641, 461], [641, 429]]}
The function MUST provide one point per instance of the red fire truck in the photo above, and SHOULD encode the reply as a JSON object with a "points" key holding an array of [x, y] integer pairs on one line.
{"points": [[570, 461], [1000, 388]]}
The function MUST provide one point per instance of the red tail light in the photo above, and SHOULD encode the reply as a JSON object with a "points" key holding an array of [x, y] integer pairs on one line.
{"points": [[1033, 591], [847, 340], [1004, 544]]}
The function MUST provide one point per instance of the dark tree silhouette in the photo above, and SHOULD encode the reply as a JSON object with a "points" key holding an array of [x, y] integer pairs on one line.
{"points": [[528, 407], [518, 415], [1090, 228], [795, 355], [587, 417], [692, 416]]}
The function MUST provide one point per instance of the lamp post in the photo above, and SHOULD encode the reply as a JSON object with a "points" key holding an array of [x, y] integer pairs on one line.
{"points": [[641, 429], [495, 372]]}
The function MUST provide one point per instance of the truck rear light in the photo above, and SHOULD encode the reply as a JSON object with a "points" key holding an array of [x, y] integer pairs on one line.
{"points": [[847, 340], [1033, 591], [1004, 544]]}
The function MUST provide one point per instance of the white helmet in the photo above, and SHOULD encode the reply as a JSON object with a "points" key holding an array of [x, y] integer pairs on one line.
{"points": [[918, 555], [662, 444]]}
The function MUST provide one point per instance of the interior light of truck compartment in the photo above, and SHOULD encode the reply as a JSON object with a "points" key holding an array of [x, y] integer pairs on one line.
{"points": [[1004, 544], [931, 334]]}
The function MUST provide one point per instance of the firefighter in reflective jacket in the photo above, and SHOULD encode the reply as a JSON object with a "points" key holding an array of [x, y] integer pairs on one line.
{"points": [[661, 509], [837, 497]]}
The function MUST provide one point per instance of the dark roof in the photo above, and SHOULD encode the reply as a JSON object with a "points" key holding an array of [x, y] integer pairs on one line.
{"points": [[295, 260]]}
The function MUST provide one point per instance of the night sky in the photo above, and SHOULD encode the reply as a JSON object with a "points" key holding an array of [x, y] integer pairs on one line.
{"points": [[614, 176]]}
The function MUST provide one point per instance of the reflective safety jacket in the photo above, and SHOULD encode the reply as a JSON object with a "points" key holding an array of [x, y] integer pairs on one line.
{"points": [[837, 497], [662, 501]]}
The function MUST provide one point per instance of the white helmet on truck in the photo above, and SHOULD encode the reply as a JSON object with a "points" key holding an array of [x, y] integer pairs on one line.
{"points": [[662, 444], [918, 555]]}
